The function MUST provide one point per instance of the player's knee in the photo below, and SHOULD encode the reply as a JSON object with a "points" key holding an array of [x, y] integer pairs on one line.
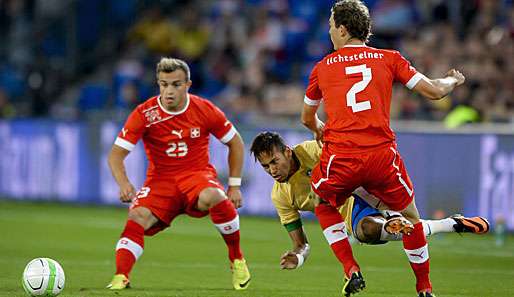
{"points": [[210, 197], [143, 216], [411, 212], [368, 230]]}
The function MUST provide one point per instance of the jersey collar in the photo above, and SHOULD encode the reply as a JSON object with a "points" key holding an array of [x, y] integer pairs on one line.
{"points": [[174, 112]]}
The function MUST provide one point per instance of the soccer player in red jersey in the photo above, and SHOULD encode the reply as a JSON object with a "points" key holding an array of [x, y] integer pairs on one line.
{"points": [[355, 83], [175, 129]]}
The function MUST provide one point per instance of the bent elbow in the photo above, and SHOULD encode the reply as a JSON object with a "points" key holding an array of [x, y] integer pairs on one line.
{"points": [[110, 159], [305, 120]]}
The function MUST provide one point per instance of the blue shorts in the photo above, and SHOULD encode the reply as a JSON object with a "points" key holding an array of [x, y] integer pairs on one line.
{"points": [[360, 210]]}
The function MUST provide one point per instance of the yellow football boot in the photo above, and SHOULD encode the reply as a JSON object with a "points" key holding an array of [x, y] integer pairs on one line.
{"points": [[240, 274], [119, 282]]}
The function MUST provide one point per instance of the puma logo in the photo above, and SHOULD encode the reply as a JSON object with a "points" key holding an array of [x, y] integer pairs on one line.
{"points": [[420, 255], [342, 230], [178, 133]]}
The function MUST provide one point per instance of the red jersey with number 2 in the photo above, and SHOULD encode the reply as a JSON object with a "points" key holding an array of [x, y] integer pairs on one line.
{"points": [[175, 142], [355, 83]]}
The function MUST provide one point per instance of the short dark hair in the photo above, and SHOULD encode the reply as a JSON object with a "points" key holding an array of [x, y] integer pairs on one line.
{"points": [[168, 65], [265, 142], [369, 231], [354, 16]]}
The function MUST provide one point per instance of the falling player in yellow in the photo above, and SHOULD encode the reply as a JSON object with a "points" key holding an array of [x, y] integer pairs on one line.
{"points": [[291, 168]]}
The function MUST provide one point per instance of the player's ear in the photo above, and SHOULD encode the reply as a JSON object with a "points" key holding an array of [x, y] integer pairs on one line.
{"points": [[288, 152], [342, 31], [258, 159], [189, 83]]}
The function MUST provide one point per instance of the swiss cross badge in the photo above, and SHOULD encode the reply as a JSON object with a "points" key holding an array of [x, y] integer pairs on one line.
{"points": [[152, 116], [195, 132]]}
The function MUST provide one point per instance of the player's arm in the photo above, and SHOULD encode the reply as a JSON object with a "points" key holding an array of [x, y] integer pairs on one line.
{"points": [[301, 248], [435, 89], [291, 220], [372, 200], [116, 164], [235, 165], [123, 145], [221, 128], [311, 120], [311, 102]]}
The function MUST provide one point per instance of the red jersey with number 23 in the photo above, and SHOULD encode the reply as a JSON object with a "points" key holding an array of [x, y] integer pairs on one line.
{"points": [[355, 84], [176, 142]]}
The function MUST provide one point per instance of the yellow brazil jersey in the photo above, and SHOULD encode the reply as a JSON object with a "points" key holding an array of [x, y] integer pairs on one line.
{"points": [[295, 195]]}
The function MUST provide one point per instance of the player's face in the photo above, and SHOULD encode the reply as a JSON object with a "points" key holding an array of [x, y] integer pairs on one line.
{"points": [[278, 164], [173, 87]]}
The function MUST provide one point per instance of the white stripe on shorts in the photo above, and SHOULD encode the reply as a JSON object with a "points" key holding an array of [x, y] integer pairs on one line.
{"points": [[400, 178]]}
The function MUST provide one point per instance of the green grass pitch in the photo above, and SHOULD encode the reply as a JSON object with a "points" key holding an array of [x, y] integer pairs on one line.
{"points": [[189, 259]]}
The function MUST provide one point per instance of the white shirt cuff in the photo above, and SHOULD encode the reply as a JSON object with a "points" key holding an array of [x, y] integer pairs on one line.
{"points": [[311, 102], [414, 80], [230, 134], [124, 144]]}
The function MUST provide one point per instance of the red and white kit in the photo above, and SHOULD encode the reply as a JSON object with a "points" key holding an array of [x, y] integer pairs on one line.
{"points": [[355, 84], [177, 146], [359, 149]]}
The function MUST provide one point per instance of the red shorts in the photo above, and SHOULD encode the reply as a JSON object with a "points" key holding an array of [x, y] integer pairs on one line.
{"points": [[168, 196], [381, 172]]}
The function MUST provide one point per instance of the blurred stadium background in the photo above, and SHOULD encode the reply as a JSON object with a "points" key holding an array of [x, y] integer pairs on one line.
{"points": [[72, 70]]}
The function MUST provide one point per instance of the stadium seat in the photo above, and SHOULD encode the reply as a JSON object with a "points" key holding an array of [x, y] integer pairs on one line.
{"points": [[93, 97]]}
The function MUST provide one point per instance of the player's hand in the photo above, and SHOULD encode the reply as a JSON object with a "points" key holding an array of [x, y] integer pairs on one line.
{"points": [[127, 192], [318, 132], [234, 195], [457, 75], [288, 260]]}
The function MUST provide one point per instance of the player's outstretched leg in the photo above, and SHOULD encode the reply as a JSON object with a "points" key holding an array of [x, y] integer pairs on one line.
{"points": [[353, 284], [477, 225], [455, 223], [128, 250], [225, 218], [398, 225]]}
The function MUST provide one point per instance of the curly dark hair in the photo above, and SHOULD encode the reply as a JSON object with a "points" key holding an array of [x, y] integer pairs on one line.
{"points": [[264, 142], [354, 16]]}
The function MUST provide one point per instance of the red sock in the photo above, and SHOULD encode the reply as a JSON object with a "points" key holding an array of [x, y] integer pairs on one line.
{"points": [[334, 230], [225, 218], [416, 248], [129, 247]]}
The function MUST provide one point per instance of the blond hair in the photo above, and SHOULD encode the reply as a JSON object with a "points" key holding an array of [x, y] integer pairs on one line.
{"points": [[171, 64]]}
